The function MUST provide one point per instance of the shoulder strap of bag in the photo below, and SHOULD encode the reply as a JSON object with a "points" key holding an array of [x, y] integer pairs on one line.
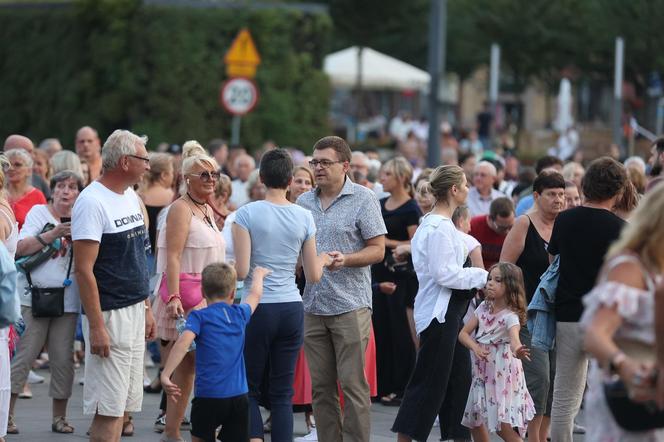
{"points": [[71, 259]]}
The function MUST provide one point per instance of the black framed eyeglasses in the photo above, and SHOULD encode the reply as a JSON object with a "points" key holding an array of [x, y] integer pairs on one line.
{"points": [[138, 157], [322, 163], [207, 176]]}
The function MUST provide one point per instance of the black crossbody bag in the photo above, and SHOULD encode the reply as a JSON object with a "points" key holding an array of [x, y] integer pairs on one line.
{"points": [[49, 302]]}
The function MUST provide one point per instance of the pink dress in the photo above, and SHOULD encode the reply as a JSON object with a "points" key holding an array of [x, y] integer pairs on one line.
{"points": [[204, 246], [498, 393]]}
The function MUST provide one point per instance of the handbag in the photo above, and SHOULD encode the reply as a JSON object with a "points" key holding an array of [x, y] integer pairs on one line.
{"points": [[49, 302], [190, 290], [630, 415], [26, 264]]}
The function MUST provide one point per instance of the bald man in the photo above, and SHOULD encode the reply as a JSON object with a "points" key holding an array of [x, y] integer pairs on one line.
{"points": [[88, 149], [16, 141], [482, 193]]}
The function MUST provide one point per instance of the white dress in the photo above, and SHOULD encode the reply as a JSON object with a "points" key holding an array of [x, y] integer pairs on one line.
{"points": [[5, 385], [498, 393], [636, 308]]}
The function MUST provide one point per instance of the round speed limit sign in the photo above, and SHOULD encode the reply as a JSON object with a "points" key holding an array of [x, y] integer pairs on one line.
{"points": [[239, 96]]}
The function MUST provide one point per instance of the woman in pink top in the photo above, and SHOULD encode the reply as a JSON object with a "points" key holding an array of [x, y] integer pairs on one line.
{"points": [[189, 241]]}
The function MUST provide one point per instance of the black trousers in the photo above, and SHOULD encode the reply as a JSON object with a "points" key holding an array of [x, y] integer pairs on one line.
{"points": [[441, 359], [395, 352]]}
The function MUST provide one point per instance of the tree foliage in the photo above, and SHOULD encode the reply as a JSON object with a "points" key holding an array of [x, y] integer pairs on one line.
{"points": [[158, 70]]}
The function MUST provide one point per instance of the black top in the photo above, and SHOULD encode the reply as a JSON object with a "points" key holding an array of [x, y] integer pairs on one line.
{"points": [[534, 260], [581, 236], [397, 222], [153, 212]]}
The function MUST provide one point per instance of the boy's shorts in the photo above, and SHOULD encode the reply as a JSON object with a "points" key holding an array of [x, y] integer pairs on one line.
{"points": [[232, 413]]}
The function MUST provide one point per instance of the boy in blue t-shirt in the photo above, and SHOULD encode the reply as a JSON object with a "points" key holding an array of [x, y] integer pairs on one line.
{"points": [[220, 389]]}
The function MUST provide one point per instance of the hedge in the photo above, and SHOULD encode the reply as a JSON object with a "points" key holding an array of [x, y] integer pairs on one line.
{"points": [[157, 70]]}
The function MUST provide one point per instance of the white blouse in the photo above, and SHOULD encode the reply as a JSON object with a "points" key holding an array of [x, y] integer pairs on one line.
{"points": [[439, 253]]}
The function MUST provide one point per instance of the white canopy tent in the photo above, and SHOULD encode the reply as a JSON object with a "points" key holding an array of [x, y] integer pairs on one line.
{"points": [[379, 71]]}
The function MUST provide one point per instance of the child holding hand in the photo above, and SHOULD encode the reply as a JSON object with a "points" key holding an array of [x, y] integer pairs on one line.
{"points": [[498, 400], [220, 389]]}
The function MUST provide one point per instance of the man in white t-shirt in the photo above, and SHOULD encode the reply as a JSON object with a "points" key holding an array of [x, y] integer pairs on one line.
{"points": [[109, 233]]}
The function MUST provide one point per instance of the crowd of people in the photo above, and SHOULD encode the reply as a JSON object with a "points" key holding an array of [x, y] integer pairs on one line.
{"points": [[482, 296]]}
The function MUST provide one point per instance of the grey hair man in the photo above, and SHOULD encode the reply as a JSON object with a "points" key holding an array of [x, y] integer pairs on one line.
{"points": [[51, 146], [482, 192], [109, 233], [244, 165]]}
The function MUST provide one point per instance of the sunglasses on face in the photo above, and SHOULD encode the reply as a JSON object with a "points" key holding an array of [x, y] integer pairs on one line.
{"points": [[207, 176]]}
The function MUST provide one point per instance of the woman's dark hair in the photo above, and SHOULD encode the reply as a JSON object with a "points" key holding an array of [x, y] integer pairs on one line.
{"points": [[276, 169], [604, 179], [548, 179], [64, 176]]}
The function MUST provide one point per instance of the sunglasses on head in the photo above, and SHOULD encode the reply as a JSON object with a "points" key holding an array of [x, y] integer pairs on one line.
{"points": [[207, 176]]}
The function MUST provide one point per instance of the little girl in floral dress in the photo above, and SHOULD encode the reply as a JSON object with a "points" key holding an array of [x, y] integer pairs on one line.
{"points": [[498, 400]]}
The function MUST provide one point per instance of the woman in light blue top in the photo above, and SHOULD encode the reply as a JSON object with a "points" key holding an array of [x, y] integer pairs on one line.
{"points": [[273, 233]]}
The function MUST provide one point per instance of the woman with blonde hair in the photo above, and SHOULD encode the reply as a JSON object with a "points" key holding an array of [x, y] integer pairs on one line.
{"points": [[395, 351], [22, 194], [442, 368], [67, 160], [619, 321], [187, 242], [42, 165]]}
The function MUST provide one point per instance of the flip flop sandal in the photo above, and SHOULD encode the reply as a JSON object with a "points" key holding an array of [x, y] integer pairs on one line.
{"points": [[60, 425], [128, 427]]}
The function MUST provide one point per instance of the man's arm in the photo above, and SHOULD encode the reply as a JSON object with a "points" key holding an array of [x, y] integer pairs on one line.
{"points": [[85, 255], [372, 253]]}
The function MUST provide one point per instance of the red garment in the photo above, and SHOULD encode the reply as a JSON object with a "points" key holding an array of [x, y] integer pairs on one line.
{"points": [[22, 206], [302, 382], [492, 242]]}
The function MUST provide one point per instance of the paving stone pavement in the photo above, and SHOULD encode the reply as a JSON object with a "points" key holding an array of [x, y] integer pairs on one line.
{"points": [[33, 417]]}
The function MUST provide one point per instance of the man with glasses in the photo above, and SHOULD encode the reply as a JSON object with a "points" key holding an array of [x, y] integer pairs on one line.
{"points": [[109, 234], [492, 229], [337, 320], [88, 149]]}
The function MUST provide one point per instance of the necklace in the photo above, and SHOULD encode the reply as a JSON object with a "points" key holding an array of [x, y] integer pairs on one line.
{"points": [[202, 207]]}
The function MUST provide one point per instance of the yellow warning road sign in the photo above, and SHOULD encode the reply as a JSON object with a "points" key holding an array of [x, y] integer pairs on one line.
{"points": [[242, 58]]}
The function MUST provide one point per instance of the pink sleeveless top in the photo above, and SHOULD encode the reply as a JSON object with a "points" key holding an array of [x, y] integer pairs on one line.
{"points": [[204, 246]]}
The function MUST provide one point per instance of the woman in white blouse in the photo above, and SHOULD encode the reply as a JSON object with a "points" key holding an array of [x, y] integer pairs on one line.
{"points": [[439, 255]]}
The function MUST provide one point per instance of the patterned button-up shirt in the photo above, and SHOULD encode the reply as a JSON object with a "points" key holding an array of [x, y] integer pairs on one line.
{"points": [[352, 218]]}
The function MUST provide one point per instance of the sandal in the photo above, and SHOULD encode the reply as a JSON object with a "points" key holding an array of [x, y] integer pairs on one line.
{"points": [[11, 425], [391, 400], [60, 425], [128, 427]]}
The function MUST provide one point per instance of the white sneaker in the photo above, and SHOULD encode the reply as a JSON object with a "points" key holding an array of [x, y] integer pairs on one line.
{"points": [[313, 436], [579, 429], [34, 378]]}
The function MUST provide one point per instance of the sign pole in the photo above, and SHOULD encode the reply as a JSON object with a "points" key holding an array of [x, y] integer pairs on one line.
{"points": [[235, 130], [437, 29], [617, 93]]}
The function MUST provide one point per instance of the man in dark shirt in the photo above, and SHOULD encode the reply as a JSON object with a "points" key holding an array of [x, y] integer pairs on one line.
{"points": [[492, 229]]}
